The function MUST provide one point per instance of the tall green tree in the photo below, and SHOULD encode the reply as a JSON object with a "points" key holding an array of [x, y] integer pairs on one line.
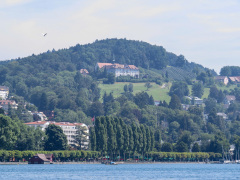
{"points": [[180, 89], [93, 139], [43, 106], [81, 138], [148, 139], [198, 89], [166, 147], [55, 138], [120, 138], [131, 139], [135, 137], [9, 133], [112, 142], [175, 102], [196, 147]]}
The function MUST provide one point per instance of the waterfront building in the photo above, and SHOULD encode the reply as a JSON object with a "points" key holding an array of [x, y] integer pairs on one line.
{"points": [[41, 159], [69, 129]]}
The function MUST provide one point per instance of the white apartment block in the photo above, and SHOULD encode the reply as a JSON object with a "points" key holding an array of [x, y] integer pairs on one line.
{"points": [[69, 129], [4, 91]]}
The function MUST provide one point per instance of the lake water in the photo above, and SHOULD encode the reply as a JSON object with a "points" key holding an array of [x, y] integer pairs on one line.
{"points": [[121, 171]]}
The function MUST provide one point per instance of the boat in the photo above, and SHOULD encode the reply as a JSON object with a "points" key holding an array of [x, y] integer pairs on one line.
{"points": [[113, 163], [110, 163]]}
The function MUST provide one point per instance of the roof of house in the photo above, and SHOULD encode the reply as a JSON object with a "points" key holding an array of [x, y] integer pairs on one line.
{"points": [[48, 156], [36, 123], [230, 98], [235, 78], [53, 122], [116, 66], [101, 65], [4, 88], [42, 157], [132, 67], [84, 71], [7, 102], [220, 77]]}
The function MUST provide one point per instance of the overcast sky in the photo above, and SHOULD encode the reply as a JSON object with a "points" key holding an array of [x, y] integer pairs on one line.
{"points": [[204, 31]]}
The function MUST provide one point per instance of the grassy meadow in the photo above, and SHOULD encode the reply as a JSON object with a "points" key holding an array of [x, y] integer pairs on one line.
{"points": [[158, 92]]}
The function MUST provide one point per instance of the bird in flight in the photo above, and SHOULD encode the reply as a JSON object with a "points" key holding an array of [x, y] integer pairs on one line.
{"points": [[44, 34]]}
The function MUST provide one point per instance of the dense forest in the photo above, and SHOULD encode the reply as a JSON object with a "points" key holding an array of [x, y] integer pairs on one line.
{"points": [[51, 81]]}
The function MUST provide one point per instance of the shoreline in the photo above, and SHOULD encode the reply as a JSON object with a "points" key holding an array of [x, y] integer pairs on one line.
{"points": [[97, 162]]}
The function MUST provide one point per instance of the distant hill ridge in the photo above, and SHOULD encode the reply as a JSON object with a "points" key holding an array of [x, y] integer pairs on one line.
{"points": [[123, 51]]}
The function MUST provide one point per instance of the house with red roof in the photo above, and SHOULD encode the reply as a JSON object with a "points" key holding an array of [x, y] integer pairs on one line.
{"points": [[223, 79], [119, 69], [84, 72], [235, 79]]}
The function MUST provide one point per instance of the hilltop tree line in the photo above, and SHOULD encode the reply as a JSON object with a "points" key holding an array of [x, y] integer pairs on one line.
{"points": [[230, 71]]}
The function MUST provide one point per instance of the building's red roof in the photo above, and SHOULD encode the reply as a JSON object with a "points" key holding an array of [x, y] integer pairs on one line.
{"points": [[101, 65], [84, 71], [132, 67], [220, 77], [4, 88], [7, 102], [116, 66], [230, 98], [235, 78], [53, 122], [36, 123]]}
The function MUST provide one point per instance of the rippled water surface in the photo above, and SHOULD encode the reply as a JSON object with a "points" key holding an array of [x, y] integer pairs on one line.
{"points": [[121, 171]]}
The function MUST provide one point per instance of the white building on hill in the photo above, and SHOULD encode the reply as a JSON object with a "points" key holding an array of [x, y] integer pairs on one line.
{"points": [[119, 69]]}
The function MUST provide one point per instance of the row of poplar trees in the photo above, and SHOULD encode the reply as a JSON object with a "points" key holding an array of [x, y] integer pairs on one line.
{"points": [[112, 136]]}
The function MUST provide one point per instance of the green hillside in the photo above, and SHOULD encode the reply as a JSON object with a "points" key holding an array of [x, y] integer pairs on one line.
{"points": [[158, 92]]}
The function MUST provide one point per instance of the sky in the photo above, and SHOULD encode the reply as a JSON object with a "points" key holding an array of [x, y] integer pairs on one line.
{"points": [[206, 32]]}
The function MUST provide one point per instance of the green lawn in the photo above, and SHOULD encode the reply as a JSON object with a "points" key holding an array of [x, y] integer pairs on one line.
{"points": [[229, 87], [158, 92]]}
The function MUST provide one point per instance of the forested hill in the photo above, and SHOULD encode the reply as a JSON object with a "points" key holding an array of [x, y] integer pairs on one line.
{"points": [[138, 53], [50, 80]]}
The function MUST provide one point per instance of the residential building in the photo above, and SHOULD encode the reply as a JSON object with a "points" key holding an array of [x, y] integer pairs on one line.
{"points": [[185, 107], [228, 100], [119, 69], [40, 115], [235, 79], [223, 79], [156, 103], [223, 115], [69, 129], [6, 103], [84, 72], [4, 91], [41, 159], [195, 100]]}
